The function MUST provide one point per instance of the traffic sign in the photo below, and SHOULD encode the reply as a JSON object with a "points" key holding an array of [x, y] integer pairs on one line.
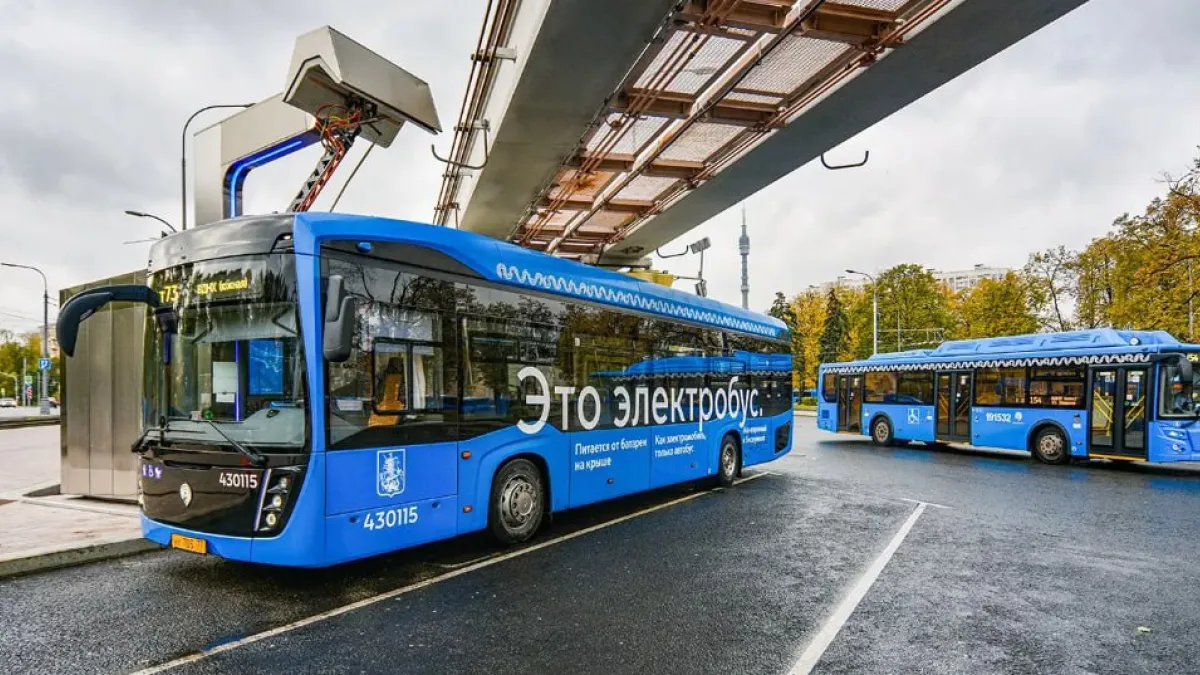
{"points": [[28, 380], [43, 363]]}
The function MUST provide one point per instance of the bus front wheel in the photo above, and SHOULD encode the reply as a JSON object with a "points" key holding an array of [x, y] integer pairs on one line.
{"points": [[881, 432], [518, 502], [1050, 447]]}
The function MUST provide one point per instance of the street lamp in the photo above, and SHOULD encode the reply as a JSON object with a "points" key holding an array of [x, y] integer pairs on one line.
{"points": [[139, 214], [44, 401], [874, 310], [183, 157]]}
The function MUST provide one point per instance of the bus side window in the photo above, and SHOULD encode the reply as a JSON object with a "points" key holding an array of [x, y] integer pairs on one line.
{"points": [[829, 387], [400, 383]]}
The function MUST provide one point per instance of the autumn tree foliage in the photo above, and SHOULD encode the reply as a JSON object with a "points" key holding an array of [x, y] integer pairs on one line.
{"points": [[1143, 274]]}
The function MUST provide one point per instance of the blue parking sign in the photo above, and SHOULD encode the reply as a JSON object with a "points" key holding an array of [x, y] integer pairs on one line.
{"points": [[43, 363]]}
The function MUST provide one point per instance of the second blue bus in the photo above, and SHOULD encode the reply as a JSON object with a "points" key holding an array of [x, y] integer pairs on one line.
{"points": [[1104, 393]]}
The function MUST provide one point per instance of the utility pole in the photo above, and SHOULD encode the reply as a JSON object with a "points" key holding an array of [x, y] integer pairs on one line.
{"points": [[744, 247], [44, 401]]}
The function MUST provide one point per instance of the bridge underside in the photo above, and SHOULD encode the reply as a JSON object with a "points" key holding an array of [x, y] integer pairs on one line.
{"points": [[728, 96]]}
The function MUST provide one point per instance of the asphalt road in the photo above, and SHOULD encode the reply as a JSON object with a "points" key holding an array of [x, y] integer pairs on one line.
{"points": [[1028, 569]]}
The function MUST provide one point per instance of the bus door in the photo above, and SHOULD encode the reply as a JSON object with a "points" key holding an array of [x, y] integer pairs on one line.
{"points": [[954, 405], [1117, 400], [850, 403]]}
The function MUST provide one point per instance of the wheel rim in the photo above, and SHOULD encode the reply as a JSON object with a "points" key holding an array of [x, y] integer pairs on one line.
{"points": [[881, 431], [518, 502], [728, 460], [1051, 447]]}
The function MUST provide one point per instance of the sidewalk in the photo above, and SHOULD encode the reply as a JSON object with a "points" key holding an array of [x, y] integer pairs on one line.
{"points": [[43, 532]]}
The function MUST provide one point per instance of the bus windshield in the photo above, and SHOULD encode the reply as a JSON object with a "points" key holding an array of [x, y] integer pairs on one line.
{"points": [[236, 365], [1180, 398]]}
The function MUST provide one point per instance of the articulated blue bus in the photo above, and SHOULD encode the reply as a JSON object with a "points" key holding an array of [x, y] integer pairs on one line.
{"points": [[321, 388], [1109, 394]]}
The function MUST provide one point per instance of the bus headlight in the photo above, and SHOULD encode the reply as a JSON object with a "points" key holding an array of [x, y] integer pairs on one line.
{"points": [[277, 491]]}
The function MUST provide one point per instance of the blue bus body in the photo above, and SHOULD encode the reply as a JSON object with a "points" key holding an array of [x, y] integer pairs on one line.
{"points": [[1104, 393], [468, 352]]}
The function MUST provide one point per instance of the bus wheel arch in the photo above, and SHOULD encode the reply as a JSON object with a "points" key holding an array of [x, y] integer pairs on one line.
{"points": [[1049, 443], [519, 499], [729, 459], [882, 431]]}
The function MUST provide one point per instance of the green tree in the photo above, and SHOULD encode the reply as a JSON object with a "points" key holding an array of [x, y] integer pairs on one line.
{"points": [[1096, 283], [835, 332], [783, 310], [914, 308], [17, 352], [780, 307], [808, 308], [997, 307], [1051, 274]]}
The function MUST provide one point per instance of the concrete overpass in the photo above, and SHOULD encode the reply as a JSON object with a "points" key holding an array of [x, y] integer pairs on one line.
{"points": [[618, 126]]}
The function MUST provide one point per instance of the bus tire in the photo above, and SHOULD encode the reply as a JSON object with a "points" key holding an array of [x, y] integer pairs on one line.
{"points": [[1050, 446], [881, 431], [728, 461], [518, 502]]}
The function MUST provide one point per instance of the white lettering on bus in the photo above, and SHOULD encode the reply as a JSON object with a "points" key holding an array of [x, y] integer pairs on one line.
{"points": [[542, 399], [662, 405]]}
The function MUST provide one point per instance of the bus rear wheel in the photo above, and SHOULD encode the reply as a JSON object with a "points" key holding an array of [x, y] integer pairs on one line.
{"points": [[881, 432], [728, 461], [518, 502], [1050, 447]]}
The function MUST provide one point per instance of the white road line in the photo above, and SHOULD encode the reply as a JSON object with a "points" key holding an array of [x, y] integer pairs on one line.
{"points": [[918, 501], [816, 649], [366, 602]]}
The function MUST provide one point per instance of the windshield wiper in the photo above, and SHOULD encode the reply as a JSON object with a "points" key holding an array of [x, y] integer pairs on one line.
{"points": [[256, 458]]}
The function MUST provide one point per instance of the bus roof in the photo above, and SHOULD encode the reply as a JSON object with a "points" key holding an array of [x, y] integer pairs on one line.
{"points": [[511, 265], [1099, 345]]}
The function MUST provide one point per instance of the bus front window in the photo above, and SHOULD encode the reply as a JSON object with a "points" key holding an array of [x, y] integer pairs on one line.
{"points": [[1180, 399], [236, 362]]}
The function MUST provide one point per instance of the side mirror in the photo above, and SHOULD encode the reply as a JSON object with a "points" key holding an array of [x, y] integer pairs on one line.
{"points": [[85, 304], [1185, 369], [338, 338]]}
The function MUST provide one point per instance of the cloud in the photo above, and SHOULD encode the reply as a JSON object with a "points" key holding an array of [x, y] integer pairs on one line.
{"points": [[1043, 145], [96, 95]]}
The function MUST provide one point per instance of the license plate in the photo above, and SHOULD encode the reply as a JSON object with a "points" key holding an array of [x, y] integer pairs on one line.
{"points": [[191, 544]]}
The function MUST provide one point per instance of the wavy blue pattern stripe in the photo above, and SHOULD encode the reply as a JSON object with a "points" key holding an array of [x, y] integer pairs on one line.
{"points": [[1094, 359], [612, 296]]}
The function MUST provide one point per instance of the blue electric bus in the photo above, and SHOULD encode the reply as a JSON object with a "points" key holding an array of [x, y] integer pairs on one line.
{"points": [[1109, 394], [320, 388]]}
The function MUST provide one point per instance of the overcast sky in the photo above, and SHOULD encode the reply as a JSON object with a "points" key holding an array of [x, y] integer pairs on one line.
{"points": [[1043, 145]]}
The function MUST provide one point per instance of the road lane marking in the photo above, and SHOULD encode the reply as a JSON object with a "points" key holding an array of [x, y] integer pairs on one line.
{"points": [[366, 602], [918, 501], [833, 625]]}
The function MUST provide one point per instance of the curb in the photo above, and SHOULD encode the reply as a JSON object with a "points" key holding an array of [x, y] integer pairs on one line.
{"points": [[47, 559], [22, 422], [804, 413]]}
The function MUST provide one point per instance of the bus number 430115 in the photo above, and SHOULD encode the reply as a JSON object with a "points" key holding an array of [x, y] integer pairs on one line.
{"points": [[382, 520]]}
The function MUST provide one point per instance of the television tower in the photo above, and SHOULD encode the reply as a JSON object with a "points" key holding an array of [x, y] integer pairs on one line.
{"points": [[744, 247]]}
